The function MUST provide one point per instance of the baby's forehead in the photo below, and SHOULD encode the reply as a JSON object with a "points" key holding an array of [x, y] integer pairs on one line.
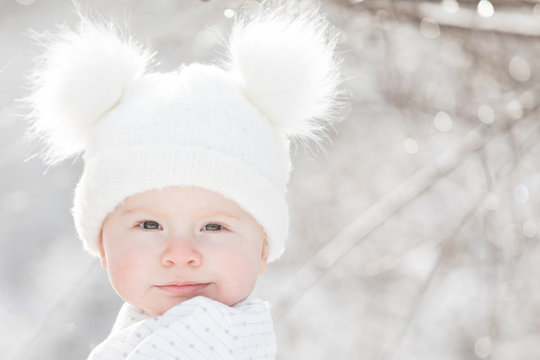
{"points": [[188, 199]]}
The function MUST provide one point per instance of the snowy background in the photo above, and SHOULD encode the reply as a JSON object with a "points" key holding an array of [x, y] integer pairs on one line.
{"points": [[414, 236]]}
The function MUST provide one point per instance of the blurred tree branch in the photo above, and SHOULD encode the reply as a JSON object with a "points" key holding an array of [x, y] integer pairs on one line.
{"points": [[443, 241], [398, 198], [509, 20]]}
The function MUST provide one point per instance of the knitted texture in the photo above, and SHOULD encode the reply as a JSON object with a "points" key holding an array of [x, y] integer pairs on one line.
{"points": [[192, 127]]}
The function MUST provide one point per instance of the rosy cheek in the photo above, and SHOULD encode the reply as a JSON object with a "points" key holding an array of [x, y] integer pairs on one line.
{"points": [[124, 265], [240, 279]]}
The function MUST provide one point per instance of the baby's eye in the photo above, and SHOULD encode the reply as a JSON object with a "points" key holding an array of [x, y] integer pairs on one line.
{"points": [[212, 227], [150, 225]]}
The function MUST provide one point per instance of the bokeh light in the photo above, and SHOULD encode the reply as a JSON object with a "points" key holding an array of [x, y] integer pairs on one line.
{"points": [[229, 13], [486, 114], [442, 121], [529, 228], [482, 347], [411, 145], [450, 6], [514, 109], [429, 28], [485, 8], [521, 193], [519, 68]]}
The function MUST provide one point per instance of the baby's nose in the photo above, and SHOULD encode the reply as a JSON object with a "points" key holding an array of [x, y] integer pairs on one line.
{"points": [[182, 251]]}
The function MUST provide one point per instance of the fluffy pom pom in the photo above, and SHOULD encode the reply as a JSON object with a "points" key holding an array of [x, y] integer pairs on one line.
{"points": [[80, 77], [284, 59]]}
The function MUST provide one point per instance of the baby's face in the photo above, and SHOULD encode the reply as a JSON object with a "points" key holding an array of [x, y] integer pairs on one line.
{"points": [[163, 247]]}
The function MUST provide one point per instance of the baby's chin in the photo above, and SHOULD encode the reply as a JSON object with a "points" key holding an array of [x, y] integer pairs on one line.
{"points": [[156, 307], [163, 307]]}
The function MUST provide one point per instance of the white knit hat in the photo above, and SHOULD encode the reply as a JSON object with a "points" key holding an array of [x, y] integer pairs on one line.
{"points": [[223, 128]]}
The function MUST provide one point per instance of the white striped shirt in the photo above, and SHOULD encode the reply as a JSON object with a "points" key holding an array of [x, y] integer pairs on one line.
{"points": [[199, 328]]}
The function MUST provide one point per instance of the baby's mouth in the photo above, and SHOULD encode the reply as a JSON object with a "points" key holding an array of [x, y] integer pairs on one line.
{"points": [[183, 288]]}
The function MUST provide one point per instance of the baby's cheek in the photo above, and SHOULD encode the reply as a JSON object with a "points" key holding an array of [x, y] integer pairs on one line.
{"points": [[237, 282], [126, 274]]}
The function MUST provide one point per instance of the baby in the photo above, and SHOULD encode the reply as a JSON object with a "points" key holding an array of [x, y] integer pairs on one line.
{"points": [[183, 190], [188, 246]]}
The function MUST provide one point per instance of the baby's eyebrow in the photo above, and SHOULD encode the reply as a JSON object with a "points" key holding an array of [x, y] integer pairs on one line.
{"points": [[220, 213], [143, 210]]}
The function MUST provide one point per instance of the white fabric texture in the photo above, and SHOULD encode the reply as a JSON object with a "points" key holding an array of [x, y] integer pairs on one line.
{"points": [[199, 328]]}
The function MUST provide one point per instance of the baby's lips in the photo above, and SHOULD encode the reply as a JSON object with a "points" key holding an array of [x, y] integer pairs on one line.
{"points": [[185, 288]]}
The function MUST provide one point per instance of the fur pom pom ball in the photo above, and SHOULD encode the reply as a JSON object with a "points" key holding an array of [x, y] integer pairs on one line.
{"points": [[81, 76], [284, 60]]}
